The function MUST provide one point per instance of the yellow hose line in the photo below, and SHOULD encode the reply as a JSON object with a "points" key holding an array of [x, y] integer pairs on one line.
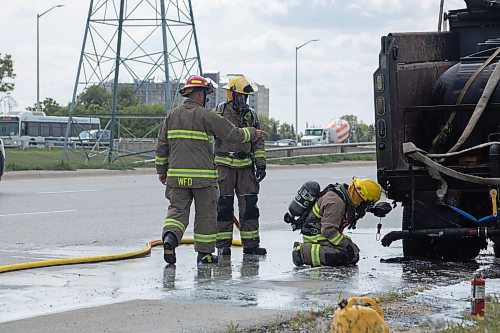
{"points": [[87, 260]]}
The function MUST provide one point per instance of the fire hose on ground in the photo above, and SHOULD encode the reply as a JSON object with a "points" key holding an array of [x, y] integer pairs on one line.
{"points": [[102, 258], [94, 259]]}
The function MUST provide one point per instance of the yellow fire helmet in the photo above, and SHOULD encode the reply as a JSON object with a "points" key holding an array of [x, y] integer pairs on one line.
{"points": [[238, 84], [364, 189], [352, 318]]}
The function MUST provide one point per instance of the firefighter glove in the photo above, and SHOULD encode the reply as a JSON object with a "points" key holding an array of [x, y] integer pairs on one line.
{"points": [[260, 173], [381, 209]]}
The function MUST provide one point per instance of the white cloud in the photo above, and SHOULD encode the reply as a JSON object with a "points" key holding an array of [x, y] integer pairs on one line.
{"points": [[256, 38]]}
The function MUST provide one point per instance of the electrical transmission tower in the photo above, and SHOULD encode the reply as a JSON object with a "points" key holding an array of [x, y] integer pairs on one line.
{"points": [[142, 43]]}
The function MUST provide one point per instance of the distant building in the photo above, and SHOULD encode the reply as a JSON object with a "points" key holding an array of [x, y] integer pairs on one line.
{"points": [[259, 101], [150, 92]]}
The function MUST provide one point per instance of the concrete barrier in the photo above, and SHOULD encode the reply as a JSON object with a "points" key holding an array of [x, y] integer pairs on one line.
{"points": [[337, 148]]}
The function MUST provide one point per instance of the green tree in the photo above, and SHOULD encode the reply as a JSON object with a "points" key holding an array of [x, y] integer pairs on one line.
{"points": [[6, 73], [126, 96], [51, 107], [94, 99], [270, 126], [141, 124], [286, 131], [360, 132]]}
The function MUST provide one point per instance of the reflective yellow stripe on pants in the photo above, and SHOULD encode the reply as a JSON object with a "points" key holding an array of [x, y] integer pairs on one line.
{"points": [[174, 223], [249, 234], [224, 235], [315, 255], [201, 238]]}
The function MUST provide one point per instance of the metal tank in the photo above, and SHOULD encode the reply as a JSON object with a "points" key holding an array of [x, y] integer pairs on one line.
{"points": [[426, 91]]}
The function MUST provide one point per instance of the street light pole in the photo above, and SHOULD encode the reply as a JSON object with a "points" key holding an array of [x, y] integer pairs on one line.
{"points": [[296, 89], [38, 54]]}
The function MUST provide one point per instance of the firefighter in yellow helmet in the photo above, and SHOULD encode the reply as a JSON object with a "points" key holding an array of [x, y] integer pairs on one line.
{"points": [[323, 215], [241, 166], [184, 162]]}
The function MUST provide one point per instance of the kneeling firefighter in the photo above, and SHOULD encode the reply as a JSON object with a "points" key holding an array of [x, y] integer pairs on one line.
{"points": [[323, 215]]}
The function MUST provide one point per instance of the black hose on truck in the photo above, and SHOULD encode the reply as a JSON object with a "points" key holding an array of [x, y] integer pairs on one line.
{"points": [[481, 232]]}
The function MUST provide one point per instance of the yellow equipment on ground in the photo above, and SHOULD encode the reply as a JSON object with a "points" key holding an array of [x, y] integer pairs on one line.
{"points": [[351, 317]]}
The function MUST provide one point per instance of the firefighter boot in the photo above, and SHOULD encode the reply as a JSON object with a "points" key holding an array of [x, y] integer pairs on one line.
{"points": [[224, 251], [296, 257], [206, 258], [169, 245], [255, 250]]}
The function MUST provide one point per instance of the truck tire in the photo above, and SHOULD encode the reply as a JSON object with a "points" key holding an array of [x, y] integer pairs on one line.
{"points": [[496, 246], [458, 249]]}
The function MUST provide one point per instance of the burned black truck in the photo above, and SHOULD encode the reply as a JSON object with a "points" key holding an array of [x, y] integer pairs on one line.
{"points": [[437, 116]]}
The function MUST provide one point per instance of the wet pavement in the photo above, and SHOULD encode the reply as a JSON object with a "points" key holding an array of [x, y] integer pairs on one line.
{"points": [[245, 281], [243, 289]]}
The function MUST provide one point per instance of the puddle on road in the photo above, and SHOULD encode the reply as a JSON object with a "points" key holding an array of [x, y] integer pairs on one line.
{"points": [[270, 282]]}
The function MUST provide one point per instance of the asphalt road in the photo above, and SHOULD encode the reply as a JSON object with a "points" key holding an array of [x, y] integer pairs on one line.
{"points": [[39, 210], [56, 215]]}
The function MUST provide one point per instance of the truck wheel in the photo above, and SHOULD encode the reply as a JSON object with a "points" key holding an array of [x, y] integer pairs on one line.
{"points": [[461, 249]]}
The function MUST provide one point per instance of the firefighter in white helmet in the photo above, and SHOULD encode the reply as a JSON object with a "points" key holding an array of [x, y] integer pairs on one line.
{"points": [[327, 214], [184, 162], [241, 166]]}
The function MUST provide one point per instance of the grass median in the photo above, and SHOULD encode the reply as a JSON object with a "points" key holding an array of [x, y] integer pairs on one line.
{"points": [[45, 159]]}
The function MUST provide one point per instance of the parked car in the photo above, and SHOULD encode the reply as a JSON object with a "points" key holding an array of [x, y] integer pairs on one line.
{"points": [[285, 143], [92, 136]]}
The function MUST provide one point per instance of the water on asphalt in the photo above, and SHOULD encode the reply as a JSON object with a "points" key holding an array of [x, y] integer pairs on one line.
{"points": [[270, 282]]}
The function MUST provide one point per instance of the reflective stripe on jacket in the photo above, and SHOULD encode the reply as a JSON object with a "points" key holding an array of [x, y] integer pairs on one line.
{"points": [[327, 215], [256, 148], [185, 144]]}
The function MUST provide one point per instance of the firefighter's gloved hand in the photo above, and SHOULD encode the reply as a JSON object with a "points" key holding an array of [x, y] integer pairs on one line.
{"points": [[163, 178], [381, 209], [260, 173]]}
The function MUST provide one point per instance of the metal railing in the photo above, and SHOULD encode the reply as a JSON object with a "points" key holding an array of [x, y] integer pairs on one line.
{"points": [[320, 150]]}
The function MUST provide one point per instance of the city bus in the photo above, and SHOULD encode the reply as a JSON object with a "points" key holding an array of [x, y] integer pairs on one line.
{"points": [[23, 128]]}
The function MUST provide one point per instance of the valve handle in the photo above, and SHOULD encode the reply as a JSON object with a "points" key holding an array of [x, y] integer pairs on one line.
{"points": [[379, 226], [493, 194]]}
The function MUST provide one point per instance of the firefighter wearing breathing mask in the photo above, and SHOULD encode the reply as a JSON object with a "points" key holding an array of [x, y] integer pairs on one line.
{"points": [[325, 215], [184, 162], [241, 167]]}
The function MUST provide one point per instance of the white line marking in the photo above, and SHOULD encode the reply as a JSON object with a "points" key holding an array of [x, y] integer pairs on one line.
{"points": [[37, 213], [76, 191]]}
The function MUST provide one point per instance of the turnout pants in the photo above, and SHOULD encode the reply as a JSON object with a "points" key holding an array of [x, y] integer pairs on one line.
{"points": [[243, 182], [205, 203], [326, 254]]}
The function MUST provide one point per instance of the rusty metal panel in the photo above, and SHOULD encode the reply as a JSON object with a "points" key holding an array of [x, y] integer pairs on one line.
{"points": [[415, 84], [424, 46]]}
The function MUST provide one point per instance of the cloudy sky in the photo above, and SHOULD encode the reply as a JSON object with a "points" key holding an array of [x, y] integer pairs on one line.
{"points": [[257, 38]]}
